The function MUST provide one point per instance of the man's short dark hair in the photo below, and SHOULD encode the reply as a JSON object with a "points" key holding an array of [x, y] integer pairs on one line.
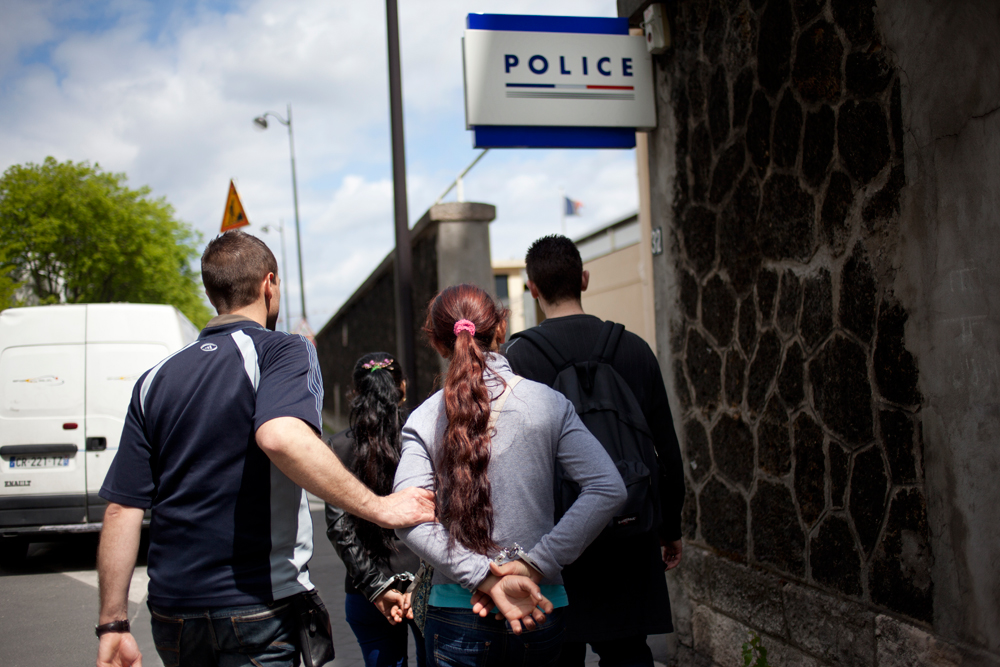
{"points": [[554, 266], [232, 268]]}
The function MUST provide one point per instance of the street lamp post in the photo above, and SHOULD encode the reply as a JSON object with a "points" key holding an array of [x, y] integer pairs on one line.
{"points": [[284, 258], [405, 341], [261, 121]]}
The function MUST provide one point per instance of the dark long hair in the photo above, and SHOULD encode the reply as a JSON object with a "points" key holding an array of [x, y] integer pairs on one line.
{"points": [[376, 419], [464, 498]]}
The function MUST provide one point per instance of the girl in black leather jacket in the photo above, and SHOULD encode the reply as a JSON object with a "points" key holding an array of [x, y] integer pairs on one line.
{"points": [[379, 566]]}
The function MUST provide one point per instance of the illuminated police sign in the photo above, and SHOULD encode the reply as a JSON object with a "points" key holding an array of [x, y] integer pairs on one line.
{"points": [[556, 81]]}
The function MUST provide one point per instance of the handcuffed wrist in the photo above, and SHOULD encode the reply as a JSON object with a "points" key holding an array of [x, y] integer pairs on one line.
{"points": [[398, 582], [515, 552]]}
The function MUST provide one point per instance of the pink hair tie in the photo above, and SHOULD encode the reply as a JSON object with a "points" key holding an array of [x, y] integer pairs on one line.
{"points": [[465, 325]]}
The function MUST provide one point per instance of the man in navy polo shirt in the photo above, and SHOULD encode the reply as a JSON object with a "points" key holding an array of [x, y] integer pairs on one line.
{"points": [[219, 442]]}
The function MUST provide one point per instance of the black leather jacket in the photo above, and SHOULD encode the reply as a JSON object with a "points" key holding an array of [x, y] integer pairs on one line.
{"points": [[364, 576]]}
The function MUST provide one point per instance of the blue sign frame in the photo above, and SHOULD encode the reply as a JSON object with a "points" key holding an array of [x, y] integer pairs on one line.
{"points": [[537, 136]]}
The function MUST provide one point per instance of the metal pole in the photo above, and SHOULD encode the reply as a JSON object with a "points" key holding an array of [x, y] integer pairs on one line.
{"points": [[405, 343], [458, 180], [284, 260], [562, 212], [284, 265], [295, 197]]}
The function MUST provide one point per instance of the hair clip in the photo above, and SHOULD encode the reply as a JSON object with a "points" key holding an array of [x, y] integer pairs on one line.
{"points": [[373, 365]]}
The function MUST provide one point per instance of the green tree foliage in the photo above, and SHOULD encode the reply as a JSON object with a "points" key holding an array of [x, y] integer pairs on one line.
{"points": [[71, 233]]}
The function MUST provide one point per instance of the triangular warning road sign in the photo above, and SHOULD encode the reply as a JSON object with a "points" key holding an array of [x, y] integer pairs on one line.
{"points": [[234, 216], [305, 330]]}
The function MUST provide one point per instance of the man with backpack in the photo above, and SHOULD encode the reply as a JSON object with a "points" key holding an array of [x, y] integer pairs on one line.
{"points": [[617, 591]]}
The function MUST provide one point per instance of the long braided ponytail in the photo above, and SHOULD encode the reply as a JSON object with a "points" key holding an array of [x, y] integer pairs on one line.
{"points": [[462, 323]]}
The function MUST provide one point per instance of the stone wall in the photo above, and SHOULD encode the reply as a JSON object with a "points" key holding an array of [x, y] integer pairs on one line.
{"points": [[778, 171]]}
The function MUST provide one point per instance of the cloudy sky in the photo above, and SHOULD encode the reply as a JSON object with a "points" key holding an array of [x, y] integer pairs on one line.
{"points": [[166, 92]]}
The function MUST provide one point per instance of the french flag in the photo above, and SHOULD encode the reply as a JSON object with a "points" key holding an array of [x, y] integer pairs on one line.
{"points": [[572, 207]]}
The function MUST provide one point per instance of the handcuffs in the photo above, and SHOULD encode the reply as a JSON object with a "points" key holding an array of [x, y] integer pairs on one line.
{"points": [[404, 582], [515, 552], [399, 582]]}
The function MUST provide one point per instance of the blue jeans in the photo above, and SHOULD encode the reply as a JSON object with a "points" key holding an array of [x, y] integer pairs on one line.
{"points": [[460, 638], [259, 635], [382, 644]]}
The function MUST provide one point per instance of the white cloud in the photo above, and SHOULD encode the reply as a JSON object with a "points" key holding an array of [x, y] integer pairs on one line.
{"points": [[604, 181], [24, 26], [169, 97], [357, 201]]}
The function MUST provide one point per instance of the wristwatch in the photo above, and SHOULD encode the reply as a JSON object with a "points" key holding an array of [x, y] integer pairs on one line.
{"points": [[113, 626]]}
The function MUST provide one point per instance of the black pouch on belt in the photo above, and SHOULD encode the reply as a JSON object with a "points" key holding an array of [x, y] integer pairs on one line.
{"points": [[315, 634]]}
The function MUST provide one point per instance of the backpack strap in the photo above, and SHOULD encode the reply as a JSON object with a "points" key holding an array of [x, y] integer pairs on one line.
{"points": [[607, 342], [501, 399], [540, 341]]}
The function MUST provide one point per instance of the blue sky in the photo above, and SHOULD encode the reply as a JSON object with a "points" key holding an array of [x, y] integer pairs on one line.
{"points": [[166, 92]]}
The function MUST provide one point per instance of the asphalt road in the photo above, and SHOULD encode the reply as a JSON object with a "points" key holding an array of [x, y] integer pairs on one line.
{"points": [[48, 605]]}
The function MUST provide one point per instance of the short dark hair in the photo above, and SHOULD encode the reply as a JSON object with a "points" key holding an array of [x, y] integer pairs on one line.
{"points": [[232, 268], [554, 266]]}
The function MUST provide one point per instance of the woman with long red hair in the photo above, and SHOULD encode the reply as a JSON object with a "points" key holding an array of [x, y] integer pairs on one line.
{"points": [[487, 444]]}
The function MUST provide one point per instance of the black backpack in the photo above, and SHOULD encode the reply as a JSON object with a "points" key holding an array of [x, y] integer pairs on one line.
{"points": [[609, 409]]}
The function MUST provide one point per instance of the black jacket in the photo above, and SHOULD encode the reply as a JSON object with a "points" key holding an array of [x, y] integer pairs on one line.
{"points": [[617, 590], [364, 576]]}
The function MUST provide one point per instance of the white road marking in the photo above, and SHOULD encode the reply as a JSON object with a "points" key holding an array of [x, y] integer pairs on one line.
{"points": [[315, 504], [136, 590]]}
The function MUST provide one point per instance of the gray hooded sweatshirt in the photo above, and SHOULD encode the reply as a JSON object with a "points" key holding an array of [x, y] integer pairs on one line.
{"points": [[537, 427]]}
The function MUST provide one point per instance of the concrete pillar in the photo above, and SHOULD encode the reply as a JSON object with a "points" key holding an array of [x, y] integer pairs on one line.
{"points": [[463, 244], [463, 247]]}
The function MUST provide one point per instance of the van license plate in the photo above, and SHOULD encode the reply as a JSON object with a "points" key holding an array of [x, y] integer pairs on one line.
{"points": [[39, 461]]}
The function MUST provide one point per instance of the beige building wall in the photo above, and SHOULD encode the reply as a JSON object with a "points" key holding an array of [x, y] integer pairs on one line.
{"points": [[616, 292], [617, 257], [511, 272]]}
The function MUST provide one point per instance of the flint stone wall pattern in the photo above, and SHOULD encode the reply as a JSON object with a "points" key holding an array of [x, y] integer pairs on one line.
{"points": [[798, 302]]}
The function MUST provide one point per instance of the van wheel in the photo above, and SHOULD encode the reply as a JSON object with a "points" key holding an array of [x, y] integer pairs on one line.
{"points": [[13, 551]]}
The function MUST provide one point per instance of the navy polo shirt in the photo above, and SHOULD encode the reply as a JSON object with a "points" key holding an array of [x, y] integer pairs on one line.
{"points": [[227, 528]]}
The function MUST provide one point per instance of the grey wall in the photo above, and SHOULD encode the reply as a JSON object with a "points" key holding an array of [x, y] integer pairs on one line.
{"points": [[463, 248], [827, 173], [463, 244], [948, 263]]}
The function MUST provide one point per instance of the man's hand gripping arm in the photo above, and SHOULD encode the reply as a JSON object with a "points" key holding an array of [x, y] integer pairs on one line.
{"points": [[294, 448]]}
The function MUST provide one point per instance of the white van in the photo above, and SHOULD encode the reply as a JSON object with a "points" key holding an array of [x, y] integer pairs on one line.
{"points": [[66, 379]]}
